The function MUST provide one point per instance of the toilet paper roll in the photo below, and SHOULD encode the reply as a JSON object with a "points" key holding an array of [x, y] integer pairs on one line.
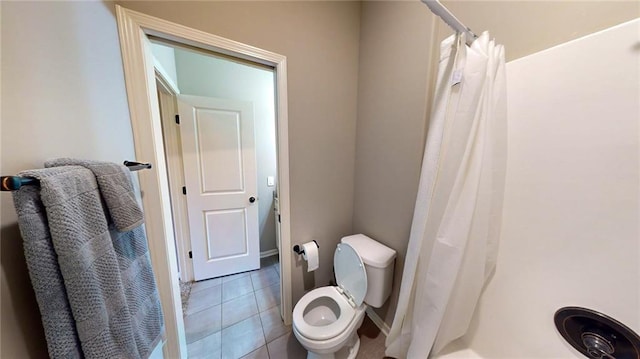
{"points": [[311, 255]]}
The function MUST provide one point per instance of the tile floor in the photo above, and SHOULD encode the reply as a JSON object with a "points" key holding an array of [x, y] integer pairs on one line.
{"points": [[238, 316]]}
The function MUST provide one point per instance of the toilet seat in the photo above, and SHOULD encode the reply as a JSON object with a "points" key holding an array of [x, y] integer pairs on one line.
{"points": [[350, 273], [323, 332]]}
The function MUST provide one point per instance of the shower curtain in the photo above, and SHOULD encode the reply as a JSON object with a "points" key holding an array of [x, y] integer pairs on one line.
{"points": [[456, 224]]}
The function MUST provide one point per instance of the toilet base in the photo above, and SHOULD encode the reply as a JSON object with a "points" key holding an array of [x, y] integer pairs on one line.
{"points": [[348, 351]]}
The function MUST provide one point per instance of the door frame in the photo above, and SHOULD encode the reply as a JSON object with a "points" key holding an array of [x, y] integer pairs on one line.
{"points": [[175, 172], [134, 29]]}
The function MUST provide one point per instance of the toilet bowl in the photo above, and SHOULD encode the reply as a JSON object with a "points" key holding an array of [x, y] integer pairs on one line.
{"points": [[326, 319], [326, 323]]}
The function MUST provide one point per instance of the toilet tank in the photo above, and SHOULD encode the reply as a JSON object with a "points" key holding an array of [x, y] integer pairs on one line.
{"points": [[379, 262]]}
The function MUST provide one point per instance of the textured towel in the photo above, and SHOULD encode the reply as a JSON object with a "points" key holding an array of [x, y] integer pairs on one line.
{"points": [[116, 189], [107, 275], [48, 285]]}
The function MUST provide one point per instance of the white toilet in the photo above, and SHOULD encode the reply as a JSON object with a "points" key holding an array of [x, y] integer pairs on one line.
{"points": [[325, 320]]}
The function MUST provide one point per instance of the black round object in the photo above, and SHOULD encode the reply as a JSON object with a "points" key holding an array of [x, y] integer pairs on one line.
{"points": [[596, 335], [252, 199]]}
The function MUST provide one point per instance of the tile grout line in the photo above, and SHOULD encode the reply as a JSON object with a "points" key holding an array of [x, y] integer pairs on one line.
{"points": [[184, 313], [255, 298]]}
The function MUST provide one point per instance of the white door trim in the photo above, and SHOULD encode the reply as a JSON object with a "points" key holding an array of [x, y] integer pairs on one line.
{"points": [[173, 154], [163, 74], [133, 28]]}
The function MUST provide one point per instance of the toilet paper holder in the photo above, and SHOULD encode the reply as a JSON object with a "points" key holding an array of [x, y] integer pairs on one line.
{"points": [[299, 250]]}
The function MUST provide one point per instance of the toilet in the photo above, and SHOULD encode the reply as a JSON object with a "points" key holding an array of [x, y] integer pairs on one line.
{"points": [[325, 320]]}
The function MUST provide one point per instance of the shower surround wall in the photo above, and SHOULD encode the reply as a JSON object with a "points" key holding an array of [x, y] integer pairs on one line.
{"points": [[570, 229]]}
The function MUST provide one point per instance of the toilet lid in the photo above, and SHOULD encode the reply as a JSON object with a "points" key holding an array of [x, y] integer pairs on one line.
{"points": [[350, 272]]}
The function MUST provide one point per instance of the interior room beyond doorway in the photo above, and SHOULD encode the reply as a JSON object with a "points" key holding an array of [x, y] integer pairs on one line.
{"points": [[196, 75]]}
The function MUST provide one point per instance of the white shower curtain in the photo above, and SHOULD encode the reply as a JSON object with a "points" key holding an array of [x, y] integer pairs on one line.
{"points": [[456, 224]]}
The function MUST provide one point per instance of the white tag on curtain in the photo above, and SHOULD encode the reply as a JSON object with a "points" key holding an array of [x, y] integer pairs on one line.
{"points": [[460, 58], [456, 78]]}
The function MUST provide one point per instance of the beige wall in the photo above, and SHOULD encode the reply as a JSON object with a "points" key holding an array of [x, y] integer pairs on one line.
{"points": [[392, 105], [62, 95]]}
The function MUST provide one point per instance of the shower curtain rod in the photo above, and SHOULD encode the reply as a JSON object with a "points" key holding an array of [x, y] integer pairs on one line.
{"points": [[437, 8]]}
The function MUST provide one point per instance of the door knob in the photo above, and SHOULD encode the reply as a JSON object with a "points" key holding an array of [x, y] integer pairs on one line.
{"points": [[252, 199]]}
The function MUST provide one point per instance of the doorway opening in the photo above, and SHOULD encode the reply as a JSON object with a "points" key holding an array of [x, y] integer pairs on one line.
{"points": [[225, 232], [218, 121]]}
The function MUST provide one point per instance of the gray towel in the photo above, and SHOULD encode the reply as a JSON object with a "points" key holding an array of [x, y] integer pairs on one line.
{"points": [[46, 279], [107, 275], [116, 189]]}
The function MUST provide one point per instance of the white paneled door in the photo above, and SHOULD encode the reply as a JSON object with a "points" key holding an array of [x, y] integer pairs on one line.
{"points": [[221, 184]]}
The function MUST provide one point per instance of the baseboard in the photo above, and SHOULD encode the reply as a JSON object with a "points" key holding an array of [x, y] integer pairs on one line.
{"points": [[269, 253], [375, 318]]}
